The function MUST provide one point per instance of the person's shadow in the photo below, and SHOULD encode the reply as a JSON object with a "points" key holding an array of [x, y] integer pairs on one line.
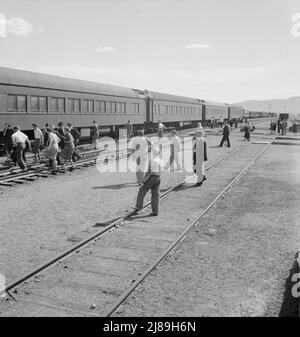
{"points": [[115, 187]]}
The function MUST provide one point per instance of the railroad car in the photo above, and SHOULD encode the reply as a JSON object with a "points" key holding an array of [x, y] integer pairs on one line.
{"points": [[27, 97], [214, 110], [235, 112], [283, 116], [177, 111], [254, 114]]}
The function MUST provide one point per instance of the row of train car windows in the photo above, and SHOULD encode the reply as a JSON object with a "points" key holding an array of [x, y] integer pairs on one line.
{"points": [[18, 103], [218, 111], [158, 109]]}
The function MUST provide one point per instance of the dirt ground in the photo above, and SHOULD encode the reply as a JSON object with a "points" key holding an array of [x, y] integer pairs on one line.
{"points": [[41, 219], [240, 259]]}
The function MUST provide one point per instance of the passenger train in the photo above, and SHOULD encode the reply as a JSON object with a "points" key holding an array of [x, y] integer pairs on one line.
{"points": [[29, 97]]}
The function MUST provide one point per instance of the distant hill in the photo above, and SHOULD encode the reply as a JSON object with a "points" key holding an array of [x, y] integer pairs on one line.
{"points": [[292, 105]]}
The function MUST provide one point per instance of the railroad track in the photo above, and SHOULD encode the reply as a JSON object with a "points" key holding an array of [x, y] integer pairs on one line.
{"points": [[10, 177], [120, 222]]}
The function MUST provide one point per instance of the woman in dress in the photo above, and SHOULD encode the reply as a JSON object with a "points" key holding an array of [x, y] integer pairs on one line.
{"points": [[52, 150], [199, 157], [67, 151]]}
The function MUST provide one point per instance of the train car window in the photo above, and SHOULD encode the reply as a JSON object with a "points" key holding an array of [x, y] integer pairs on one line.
{"points": [[76, 105], [91, 106], [113, 107], [53, 104], [61, 104], [43, 104], [38, 104], [22, 104], [34, 104], [97, 107], [108, 107], [102, 106], [84, 106], [135, 108], [12, 103], [158, 109], [121, 107]]}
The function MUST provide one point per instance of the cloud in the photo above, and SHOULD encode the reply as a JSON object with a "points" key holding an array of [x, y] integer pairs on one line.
{"points": [[107, 49], [14, 26], [198, 46]]}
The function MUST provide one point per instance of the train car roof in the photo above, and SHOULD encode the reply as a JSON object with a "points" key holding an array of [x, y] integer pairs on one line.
{"points": [[215, 104], [168, 97], [25, 78]]}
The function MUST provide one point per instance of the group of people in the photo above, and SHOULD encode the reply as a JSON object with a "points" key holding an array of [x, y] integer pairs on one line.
{"points": [[149, 164], [280, 126], [59, 145]]}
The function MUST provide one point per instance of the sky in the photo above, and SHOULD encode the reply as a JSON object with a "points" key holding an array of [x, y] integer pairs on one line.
{"points": [[219, 50]]}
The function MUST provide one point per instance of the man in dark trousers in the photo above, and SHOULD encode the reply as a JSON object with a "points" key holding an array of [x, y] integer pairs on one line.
{"points": [[225, 135], [95, 134], [7, 133]]}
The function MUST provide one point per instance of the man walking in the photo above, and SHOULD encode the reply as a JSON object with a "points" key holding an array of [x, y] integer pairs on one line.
{"points": [[76, 136], [95, 134], [7, 133], [129, 130], [151, 181], [19, 140], [225, 135]]}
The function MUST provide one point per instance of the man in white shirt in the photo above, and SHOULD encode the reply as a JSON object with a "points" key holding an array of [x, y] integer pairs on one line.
{"points": [[151, 181], [19, 140], [38, 141]]}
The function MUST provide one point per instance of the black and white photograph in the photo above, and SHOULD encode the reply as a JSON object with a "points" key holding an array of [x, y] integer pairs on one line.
{"points": [[149, 161]]}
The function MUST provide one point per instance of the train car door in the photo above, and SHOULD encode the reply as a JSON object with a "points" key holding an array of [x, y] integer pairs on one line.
{"points": [[203, 112], [149, 110]]}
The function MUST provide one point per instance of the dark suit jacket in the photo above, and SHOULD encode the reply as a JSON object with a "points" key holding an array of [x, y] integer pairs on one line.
{"points": [[7, 136], [75, 134], [226, 130]]}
